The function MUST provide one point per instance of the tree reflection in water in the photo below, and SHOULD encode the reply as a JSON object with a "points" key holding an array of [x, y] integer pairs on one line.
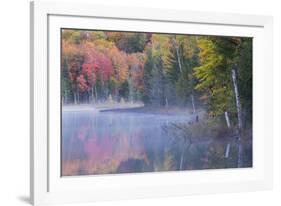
{"points": [[112, 142]]}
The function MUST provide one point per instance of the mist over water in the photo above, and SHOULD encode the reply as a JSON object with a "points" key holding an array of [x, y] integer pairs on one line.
{"points": [[98, 142], [124, 142]]}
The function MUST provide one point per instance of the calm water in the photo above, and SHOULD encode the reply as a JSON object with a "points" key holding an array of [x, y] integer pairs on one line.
{"points": [[119, 142]]}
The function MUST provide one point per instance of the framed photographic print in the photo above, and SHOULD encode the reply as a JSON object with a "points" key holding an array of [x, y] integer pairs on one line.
{"points": [[126, 105]]}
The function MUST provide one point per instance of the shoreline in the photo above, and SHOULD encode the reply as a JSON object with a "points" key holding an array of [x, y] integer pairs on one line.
{"points": [[131, 108], [151, 110], [98, 107]]}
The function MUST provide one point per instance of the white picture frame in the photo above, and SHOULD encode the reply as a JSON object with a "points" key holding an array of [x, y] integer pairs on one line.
{"points": [[47, 18]]}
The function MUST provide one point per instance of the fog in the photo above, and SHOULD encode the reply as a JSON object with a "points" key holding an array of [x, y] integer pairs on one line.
{"points": [[97, 142], [104, 137]]}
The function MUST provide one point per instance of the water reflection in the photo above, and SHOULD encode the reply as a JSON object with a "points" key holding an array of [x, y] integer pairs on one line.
{"points": [[95, 143], [112, 142]]}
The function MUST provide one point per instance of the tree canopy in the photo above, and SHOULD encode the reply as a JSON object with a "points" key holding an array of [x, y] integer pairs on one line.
{"points": [[158, 69]]}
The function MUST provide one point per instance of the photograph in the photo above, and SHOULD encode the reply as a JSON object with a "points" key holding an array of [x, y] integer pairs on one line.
{"points": [[137, 102]]}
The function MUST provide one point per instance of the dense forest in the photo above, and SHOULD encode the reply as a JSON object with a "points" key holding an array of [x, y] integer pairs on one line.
{"points": [[198, 73]]}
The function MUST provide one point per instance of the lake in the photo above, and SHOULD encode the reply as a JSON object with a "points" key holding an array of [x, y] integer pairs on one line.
{"points": [[113, 142]]}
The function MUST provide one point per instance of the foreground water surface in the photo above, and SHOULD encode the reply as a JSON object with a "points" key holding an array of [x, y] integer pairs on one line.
{"points": [[122, 142]]}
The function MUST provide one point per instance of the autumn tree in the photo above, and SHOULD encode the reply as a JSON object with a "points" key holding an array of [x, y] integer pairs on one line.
{"points": [[128, 42], [97, 65], [219, 73]]}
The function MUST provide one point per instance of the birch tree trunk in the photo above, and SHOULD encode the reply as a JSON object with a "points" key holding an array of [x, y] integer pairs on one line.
{"points": [[181, 162], [239, 115], [182, 157], [227, 150], [179, 61], [193, 103], [178, 54], [237, 98], [228, 126], [227, 119]]}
